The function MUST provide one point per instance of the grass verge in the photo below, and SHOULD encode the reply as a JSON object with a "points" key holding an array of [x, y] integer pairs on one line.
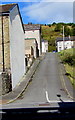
{"points": [[70, 73], [68, 59]]}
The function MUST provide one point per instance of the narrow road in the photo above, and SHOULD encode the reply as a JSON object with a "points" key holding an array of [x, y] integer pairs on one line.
{"points": [[46, 85]]}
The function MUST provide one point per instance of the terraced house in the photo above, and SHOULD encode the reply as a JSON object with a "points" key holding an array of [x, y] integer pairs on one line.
{"points": [[31, 50], [67, 43], [34, 31], [44, 46], [12, 56]]}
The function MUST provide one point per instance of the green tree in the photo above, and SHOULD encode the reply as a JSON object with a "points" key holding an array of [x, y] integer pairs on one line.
{"points": [[49, 25], [73, 31], [58, 28], [53, 23], [67, 31]]}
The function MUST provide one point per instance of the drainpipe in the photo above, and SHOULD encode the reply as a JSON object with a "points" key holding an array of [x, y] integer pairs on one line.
{"points": [[3, 45]]}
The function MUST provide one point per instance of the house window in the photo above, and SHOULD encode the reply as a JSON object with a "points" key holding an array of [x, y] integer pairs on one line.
{"points": [[65, 48], [60, 48]]}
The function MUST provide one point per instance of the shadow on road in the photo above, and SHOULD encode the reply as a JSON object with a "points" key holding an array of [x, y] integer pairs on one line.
{"points": [[64, 110]]}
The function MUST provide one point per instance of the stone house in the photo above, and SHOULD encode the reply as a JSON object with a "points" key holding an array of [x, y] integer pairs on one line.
{"points": [[31, 49], [33, 31], [44, 46], [67, 43], [12, 56]]}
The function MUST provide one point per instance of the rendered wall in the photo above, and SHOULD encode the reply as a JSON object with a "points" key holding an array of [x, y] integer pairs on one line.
{"points": [[64, 45], [44, 47], [17, 55], [34, 34]]}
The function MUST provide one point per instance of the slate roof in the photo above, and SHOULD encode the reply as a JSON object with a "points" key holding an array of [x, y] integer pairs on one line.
{"points": [[28, 27], [72, 38], [44, 40], [6, 8]]}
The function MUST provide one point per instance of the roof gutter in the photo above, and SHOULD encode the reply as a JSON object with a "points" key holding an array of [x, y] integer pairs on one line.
{"points": [[4, 13]]}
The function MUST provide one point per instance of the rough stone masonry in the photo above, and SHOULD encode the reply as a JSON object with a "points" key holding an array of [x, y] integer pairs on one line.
{"points": [[5, 76]]}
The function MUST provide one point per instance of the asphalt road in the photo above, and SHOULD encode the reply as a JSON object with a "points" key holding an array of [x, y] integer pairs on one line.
{"points": [[46, 85]]}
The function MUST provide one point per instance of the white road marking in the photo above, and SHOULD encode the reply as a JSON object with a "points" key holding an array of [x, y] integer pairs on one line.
{"points": [[55, 101], [47, 96]]}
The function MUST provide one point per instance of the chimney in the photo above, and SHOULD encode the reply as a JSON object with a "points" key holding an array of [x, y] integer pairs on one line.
{"points": [[29, 23]]}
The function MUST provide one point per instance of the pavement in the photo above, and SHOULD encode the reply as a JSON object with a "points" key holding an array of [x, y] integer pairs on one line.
{"points": [[45, 82], [22, 85]]}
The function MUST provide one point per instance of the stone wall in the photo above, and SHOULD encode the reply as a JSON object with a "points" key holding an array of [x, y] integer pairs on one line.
{"points": [[5, 77], [5, 83], [6, 42], [0, 44]]}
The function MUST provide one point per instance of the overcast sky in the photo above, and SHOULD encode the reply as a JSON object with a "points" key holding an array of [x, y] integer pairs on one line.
{"points": [[45, 11]]}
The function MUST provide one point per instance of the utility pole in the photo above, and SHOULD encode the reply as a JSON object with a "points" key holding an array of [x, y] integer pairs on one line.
{"points": [[3, 44], [63, 39]]}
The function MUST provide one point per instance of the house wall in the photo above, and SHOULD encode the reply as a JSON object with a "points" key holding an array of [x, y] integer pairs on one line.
{"points": [[17, 55], [64, 45], [6, 43], [28, 44], [68, 44], [44, 47], [5, 77], [60, 46], [34, 34], [1, 44]]}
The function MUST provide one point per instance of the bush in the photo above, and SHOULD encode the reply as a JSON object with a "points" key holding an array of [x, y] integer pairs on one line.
{"points": [[67, 58], [51, 48]]}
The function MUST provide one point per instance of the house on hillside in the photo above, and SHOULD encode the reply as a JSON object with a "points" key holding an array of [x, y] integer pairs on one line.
{"points": [[44, 46], [67, 43], [31, 50], [33, 31], [12, 56]]}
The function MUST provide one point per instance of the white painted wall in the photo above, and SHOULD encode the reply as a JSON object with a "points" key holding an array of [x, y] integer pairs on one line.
{"points": [[66, 44], [44, 47], [17, 56], [34, 34], [35, 49], [60, 46]]}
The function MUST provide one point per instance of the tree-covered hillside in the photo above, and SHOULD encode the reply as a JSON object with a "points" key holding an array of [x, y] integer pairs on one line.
{"points": [[51, 31]]}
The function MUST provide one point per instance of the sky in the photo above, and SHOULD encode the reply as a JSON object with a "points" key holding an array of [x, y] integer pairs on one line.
{"points": [[44, 11]]}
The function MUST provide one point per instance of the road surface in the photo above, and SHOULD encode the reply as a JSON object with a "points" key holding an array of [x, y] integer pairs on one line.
{"points": [[46, 85]]}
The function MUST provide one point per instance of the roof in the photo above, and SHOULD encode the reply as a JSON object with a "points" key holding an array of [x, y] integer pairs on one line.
{"points": [[6, 8], [72, 38], [28, 27], [44, 40]]}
